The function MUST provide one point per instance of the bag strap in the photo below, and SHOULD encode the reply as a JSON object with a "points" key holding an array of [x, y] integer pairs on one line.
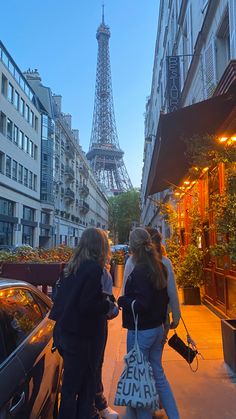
{"points": [[191, 343], [135, 316]]}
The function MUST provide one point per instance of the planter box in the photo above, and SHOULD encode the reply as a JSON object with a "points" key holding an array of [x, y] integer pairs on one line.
{"points": [[34, 273], [191, 295], [118, 275], [228, 331]]}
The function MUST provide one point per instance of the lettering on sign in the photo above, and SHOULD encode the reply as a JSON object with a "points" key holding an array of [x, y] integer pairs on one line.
{"points": [[173, 83]]}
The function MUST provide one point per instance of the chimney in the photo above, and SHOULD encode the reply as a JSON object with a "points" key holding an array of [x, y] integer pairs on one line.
{"points": [[76, 135], [57, 100], [68, 119]]}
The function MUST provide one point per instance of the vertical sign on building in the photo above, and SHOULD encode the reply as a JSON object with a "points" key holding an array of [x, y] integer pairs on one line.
{"points": [[173, 82]]}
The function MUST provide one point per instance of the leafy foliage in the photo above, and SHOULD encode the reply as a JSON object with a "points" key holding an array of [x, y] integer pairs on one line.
{"points": [[26, 255], [123, 210], [190, 273]]}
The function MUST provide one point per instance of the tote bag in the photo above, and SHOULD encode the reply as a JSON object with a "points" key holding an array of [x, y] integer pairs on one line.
{"points": [[136, 386]]}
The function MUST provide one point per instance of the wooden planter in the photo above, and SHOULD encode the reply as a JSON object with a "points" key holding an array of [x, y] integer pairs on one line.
{"points": [[34, 273], [228, 331], [191, 295]]}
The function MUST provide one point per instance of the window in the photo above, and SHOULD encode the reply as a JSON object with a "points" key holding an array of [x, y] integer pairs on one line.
{"points": [[6, 234], [35, 182], [36, 123], [30, 180], [10, 92], [21, 140], [19, 314], [4, 85], [9, 129], [26, 175], [16, 100], [22, 106], [14, 170], [27, 235], [27, 113], [45, 218], [20, 173], [28, 213], [1, 162], [8, 166], [3, 121], [26, 144], [32, 118], [16, 134], [31, 148], [6, 207], [35, 152]]}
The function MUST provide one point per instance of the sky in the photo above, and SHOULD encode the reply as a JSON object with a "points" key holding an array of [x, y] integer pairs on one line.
{"points": [[58, 37]]}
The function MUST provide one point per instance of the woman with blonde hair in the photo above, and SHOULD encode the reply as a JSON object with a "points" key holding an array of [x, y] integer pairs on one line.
{"points": [[80, 310], [147, 285]]}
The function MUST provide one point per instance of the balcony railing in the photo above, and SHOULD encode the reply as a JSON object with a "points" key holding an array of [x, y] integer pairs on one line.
{"points": [[83, 207], [83, 189], [69, 151], [69, 194], [69, 172]]}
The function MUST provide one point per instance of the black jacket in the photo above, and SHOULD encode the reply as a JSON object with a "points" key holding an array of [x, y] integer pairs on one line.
{"points": [[80, 307], [151, 304]]}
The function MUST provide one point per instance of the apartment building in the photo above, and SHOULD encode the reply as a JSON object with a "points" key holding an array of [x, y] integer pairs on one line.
{"points": [[20, 150], [48, 194], [198, 38], [193, 99]]}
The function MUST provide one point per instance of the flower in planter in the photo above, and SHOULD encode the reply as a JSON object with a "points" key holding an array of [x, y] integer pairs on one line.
{"points": [[60, 254]]}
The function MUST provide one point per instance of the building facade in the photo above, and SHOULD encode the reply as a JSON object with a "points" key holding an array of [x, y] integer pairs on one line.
{"points": [[20, 150], [202, 37], [193, 96], [48, 194]]}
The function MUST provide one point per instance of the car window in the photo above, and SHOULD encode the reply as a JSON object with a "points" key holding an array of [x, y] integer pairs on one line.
{"points": [[43, 306], [19, 315]]}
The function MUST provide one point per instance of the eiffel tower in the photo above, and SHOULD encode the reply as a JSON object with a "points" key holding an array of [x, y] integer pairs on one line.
{"points": [[105, 155]]}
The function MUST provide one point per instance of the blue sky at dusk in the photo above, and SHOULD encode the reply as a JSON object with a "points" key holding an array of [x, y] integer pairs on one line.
{"points": [[58, 37]]}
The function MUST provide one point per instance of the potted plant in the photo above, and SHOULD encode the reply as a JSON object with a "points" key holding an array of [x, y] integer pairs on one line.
{"points": [[189, 275]]}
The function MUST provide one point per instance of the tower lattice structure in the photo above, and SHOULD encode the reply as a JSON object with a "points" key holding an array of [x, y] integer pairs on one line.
{"points": [[105, 155]]}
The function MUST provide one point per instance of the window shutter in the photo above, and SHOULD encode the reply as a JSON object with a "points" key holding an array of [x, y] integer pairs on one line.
{"points": [[209, 69]]}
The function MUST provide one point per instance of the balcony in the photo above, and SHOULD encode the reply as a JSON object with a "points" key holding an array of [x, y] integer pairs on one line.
{"points": [[69, 172], [83, 207], [83, 170], [69, 150], [69, 195], [83, 189]]}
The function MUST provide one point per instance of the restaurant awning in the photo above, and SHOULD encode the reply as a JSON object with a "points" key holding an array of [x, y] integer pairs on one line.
{"points": [[169, 163]]}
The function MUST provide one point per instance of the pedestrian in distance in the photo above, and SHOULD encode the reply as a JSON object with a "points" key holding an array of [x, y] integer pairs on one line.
{"points": [[147, 285], [80, 311]]}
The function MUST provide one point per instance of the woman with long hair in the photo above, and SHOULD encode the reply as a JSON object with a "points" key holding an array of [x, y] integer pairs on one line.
{"points": [[80, 311], [147, 285]]}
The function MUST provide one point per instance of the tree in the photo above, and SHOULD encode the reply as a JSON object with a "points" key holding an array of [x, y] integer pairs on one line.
{"points": [[123, 211]]}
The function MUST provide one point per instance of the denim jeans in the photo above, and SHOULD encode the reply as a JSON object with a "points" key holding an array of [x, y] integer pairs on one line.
{"points": [[151, 344]]}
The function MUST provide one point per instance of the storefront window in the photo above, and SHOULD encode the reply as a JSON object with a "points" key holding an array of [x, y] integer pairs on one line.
{"points": [[27, 235], [6, 233]]}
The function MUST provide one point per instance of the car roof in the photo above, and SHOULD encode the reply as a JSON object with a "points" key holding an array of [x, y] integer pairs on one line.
{"points": [[8, 283]]}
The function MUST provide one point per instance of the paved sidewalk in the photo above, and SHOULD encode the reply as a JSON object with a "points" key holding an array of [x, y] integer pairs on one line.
{"points": [[210, 393]]}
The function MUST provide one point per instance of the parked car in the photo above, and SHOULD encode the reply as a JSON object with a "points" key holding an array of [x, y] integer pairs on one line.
{"points": [[30, 373]]}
